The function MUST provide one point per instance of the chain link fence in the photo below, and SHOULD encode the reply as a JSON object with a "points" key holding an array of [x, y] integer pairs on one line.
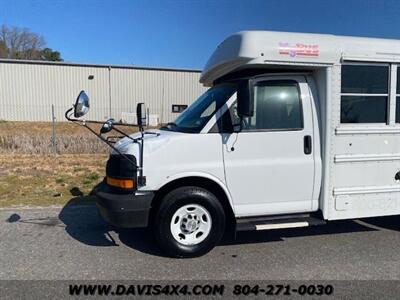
{"points": [[52, 138]]}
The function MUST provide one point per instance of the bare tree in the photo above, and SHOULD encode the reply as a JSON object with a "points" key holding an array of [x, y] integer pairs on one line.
{"points": [[21, 43], [3, 49]]}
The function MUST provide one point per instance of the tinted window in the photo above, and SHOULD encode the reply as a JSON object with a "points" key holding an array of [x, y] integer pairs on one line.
{"points": [[363, 109], [365, 79], [398, 98], [398, 80]]}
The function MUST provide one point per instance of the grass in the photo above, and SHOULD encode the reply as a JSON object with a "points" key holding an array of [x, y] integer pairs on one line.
{"points": [[40, 180], [31, 176], [36, 138], [14, 127]]}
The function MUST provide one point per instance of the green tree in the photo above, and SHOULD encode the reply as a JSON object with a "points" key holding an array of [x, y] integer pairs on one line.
{"points": [[50, 55]]}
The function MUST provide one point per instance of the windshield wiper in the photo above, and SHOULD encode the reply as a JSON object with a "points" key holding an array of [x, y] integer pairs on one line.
{"points": [[169, 126]]}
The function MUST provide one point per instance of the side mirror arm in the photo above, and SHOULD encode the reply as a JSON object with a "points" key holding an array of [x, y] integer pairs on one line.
{"points": [[108, 142], [123, 133]]}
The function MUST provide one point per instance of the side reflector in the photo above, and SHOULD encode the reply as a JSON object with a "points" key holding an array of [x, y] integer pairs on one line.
{"points": [[121, 183]]}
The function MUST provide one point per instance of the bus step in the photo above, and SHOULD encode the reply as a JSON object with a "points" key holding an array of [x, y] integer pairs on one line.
{"points": [[279, 223]]}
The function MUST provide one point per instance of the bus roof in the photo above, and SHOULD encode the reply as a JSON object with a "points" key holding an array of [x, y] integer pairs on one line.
{"points": [[251, 48]]}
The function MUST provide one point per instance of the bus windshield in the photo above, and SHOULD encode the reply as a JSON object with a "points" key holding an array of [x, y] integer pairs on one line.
{"points": [[196, 116]]}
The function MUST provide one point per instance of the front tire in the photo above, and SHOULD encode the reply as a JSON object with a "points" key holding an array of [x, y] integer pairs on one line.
{"points": [[189, 222]]}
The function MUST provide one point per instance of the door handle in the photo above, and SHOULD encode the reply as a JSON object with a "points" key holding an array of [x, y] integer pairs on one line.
{"points": [[307, 145]]}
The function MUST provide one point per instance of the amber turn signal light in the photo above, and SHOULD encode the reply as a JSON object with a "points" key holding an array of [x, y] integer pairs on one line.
{"points": [[121, 183]]}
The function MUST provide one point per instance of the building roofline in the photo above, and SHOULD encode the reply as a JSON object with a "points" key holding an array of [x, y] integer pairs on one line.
{"points": [[72, 64]]}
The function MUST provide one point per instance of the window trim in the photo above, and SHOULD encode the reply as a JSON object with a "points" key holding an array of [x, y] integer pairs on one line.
{"points": [[364, 95], [387, 95], [395, 95], [180, 106], [365, 63], [273, 130]]}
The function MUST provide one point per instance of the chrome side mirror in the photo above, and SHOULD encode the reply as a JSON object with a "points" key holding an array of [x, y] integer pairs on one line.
{"points": [[81, 106], [107, 126]]}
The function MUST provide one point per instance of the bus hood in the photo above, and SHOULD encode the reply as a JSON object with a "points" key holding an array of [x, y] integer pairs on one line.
{"points": [[154, 140], [168, 155]]}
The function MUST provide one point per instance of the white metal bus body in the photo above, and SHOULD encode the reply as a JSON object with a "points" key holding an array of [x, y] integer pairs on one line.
{"points": [[296, 129]]}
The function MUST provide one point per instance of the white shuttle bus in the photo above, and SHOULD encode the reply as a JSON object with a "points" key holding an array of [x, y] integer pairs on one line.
{"points": [[295, 130]]}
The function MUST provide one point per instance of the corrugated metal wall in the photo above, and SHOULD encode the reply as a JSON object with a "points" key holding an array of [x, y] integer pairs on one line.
{"points": [[28, 90]]}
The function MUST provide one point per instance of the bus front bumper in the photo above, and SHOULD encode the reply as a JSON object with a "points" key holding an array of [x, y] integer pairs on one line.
{"points": [[124, 210]]}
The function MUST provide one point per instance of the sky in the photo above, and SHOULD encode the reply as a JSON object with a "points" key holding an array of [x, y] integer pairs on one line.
{"points": [[184, 33]]}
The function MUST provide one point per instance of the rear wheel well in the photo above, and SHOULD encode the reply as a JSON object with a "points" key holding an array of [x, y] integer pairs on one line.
{"points": [[201, 182]]}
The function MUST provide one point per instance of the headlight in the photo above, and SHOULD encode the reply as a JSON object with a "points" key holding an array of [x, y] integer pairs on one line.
{"points": [[122, 173]]}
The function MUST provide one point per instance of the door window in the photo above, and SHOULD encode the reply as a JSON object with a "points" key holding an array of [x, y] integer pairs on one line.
{"points": [[277, 106]]}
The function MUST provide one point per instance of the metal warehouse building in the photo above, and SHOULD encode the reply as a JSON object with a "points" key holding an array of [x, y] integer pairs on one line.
{"points": [[29, 89]]}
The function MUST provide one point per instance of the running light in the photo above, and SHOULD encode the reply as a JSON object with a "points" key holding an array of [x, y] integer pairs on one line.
{"points": [[121, 183]]}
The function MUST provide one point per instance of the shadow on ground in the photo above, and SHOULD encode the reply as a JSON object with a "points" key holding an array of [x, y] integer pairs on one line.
{"points": [[81, 221], [86, 225]]}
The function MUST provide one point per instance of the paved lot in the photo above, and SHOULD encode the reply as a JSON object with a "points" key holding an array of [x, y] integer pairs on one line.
{"points": [[74, 243]]}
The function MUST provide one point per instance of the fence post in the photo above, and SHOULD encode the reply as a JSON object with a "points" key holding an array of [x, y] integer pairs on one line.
{"points": [[148, 116], [109, 90], [53, 137]]}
